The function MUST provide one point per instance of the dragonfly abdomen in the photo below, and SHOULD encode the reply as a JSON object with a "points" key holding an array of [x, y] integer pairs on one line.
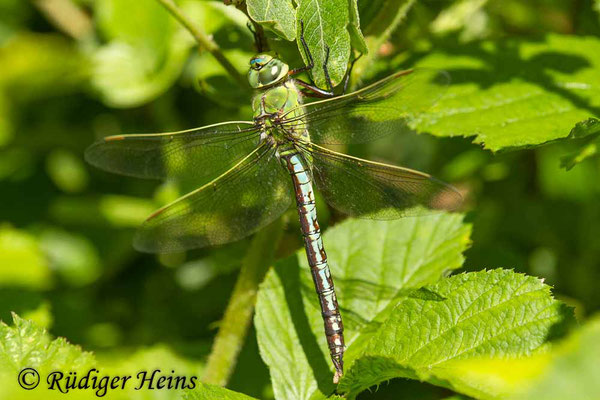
{"points": [[317, 257]]}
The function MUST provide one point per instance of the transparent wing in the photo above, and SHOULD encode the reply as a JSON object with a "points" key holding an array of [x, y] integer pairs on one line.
{"points": [[372, 190], [193, 155], [387, 106], [239, 202]]}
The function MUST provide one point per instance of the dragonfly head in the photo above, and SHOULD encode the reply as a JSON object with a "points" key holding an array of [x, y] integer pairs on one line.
{"points": [[266, 70]]}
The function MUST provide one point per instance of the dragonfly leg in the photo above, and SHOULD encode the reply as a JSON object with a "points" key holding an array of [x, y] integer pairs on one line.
{"points": [[326, 71], [311, 63], [347, 78], [312, 90]]}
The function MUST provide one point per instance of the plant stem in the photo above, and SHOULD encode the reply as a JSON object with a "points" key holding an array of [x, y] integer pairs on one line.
{"points": [[238, 315], [204, 40]]}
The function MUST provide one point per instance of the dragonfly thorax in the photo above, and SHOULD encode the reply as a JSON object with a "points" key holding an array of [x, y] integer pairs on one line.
{"points": [[276, 106]]}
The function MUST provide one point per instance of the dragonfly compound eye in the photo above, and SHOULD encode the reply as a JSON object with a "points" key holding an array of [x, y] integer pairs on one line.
{"points": [[266, 70], [259, 61]]}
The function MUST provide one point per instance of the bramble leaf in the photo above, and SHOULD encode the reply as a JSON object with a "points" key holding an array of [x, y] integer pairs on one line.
{"points": [[205, 391], [586, 134], [515, 93], [25, 345], [485, 314], [372, 263], [572, 371]]}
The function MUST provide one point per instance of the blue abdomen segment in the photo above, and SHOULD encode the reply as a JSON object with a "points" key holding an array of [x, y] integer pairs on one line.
{"points": [[317, 258]]}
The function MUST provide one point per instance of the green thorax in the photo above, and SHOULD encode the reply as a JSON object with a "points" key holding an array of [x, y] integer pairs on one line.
{"points": [[277, 99], [276, 95]]}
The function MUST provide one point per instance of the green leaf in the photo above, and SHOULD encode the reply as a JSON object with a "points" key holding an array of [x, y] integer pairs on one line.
{"points": [[144, 55], [460, 16], [325, 25], [67, 171], [586, 134], [151, 27], [515, 93], [72, 256], [159, 357], [205, 391], [276, 15], [128, 76], [491, 313], [579, 184], [22, 261], [25, 345], [573, 369], [356, 36], [229, 30], [372, 263], [566, 371]]}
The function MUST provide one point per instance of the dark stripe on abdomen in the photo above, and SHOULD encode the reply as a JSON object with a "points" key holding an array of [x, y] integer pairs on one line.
{"points": [[317, 257]]}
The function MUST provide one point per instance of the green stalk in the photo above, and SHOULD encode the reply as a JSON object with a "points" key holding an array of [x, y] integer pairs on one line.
{"points": [[233, 328], [204, 40]]}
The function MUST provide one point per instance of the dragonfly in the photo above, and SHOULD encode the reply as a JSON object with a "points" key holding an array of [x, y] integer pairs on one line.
{"points": [[242, 175]]}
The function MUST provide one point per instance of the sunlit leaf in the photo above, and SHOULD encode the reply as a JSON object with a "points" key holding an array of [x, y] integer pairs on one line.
{"points": [[356, 36], [144, 55], [485, 314], [465, 15], [22, 261], [67, 171], [156, 358], [572, 369], [372, 264], [152, 26], [205, 391], [325, 25], [25, 345], [72, 256], [564, 370], [229, 29], [515, 93], [277, 15]]}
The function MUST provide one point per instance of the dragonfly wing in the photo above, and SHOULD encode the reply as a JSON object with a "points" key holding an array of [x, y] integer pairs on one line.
{"points": [[239, 202], [387, 106], [196, 154], [372, 190]]}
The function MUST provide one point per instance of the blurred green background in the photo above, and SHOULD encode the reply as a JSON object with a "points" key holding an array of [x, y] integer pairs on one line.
{"points": [[72, 71]]}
